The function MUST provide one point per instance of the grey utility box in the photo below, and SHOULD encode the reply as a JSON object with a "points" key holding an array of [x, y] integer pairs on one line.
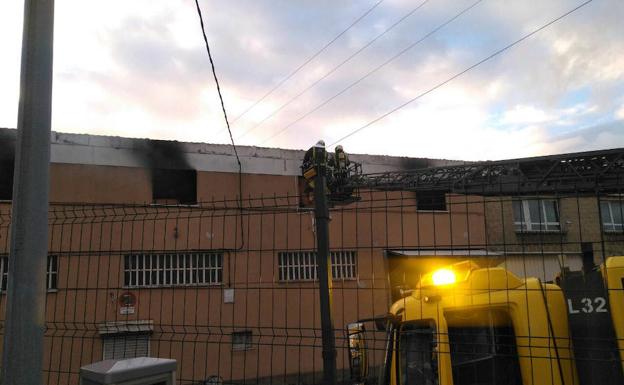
{"points": [[131, 371]]}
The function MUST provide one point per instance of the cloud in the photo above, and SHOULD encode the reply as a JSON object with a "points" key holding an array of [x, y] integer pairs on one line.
{"points": [[525, 115], [600, 136], [619, 114], [140, 69]]}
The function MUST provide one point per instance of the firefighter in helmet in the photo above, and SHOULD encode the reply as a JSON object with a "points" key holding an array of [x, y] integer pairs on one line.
{"points": [[341, 160]]}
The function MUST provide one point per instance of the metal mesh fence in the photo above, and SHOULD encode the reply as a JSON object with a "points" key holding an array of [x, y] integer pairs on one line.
{"points": [[228, 288]]}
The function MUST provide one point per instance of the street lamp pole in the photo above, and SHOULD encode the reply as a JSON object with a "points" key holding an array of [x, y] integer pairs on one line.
{"points": [[25, 312], [321, 210]]}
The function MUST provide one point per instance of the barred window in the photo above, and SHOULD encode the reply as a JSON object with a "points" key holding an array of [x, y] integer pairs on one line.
{"points": [[301, 265], [51, 273], [173, 269], [612, 215]]}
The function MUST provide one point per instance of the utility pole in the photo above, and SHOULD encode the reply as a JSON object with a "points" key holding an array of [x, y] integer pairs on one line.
{"points": [[25, 313], [321, 210]]}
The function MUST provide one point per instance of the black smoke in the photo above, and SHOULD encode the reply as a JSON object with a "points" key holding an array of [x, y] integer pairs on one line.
{"points": [[413, 163], [173, 177]]}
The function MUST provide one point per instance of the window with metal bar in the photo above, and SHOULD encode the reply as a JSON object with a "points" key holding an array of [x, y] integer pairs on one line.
{"points": [[51, 273], [173, 269], [301, 265]]}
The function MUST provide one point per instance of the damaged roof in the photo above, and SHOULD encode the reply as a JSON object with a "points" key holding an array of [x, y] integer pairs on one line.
{"points": [[132, 152]]}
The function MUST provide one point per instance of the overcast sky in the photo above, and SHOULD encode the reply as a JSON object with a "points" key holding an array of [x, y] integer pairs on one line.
{"points": [[139, 69]]}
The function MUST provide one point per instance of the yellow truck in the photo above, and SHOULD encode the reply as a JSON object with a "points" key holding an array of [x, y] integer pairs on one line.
{"points": [[466, 325]]}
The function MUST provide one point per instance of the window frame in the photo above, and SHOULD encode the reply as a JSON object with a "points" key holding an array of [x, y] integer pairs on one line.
{"points": [[172, 270], [50, 288], [52, 271], [612, 224], [526, 224], [301, 265], [424, 325], [247, 343], [491, 350]]}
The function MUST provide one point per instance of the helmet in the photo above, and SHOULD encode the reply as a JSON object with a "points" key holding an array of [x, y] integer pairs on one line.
{"points": [[320, 143], [339, 148]]}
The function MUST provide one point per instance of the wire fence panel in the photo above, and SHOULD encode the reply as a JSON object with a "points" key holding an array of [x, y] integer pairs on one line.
{"points": [[480, 289]]}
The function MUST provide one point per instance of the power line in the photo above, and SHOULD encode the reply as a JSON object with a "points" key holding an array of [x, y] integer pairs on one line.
{"points": [[227, 123], [334, 69], [397, 55], [307, 61], [214, 74], [528, 35]]}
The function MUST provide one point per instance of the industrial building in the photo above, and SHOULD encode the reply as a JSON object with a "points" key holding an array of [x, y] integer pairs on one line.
{"points": [[163, 249]]}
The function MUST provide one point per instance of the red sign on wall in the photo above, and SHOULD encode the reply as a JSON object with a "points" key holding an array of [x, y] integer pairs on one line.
{"points": [[127, 303]]}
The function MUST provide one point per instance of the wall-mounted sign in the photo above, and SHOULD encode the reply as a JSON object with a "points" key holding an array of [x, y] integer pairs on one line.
{"points": [[127, 303], [228, 295]]}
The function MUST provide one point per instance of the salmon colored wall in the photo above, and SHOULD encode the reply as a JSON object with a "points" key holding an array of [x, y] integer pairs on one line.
{"points": [[110, 184], [193, 324]]}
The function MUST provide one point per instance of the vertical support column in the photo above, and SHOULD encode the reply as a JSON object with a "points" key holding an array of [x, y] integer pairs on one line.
{"points": [[25, 313], [321, 210]]}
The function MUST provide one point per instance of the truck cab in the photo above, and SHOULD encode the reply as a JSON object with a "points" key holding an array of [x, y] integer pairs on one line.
{"points": [[466, 324]]}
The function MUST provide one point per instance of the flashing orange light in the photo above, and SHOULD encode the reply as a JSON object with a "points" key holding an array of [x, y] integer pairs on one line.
{"points": [[443, 277]]}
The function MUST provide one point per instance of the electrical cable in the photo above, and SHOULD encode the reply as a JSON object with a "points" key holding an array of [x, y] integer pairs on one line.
{"points": [[496, 53], [227, 123], [391, 59], [335, 68], [306, 62]]}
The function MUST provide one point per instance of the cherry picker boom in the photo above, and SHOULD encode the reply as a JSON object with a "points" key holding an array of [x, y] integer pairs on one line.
{"points": [[468, 324]]}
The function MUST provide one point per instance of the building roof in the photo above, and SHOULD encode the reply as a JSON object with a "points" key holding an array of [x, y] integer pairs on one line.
{"points": [[130, 152]]}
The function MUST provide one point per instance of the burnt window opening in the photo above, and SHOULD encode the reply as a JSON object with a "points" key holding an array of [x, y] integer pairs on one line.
{"points": [[174, 186], [434, 200], [6, 179]]}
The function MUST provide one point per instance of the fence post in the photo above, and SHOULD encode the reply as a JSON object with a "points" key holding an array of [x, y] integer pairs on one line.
{"points": [[25, 313], [321, 210]]}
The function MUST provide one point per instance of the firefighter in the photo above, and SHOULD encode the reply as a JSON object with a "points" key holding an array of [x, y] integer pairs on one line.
{"points": [[309, 159], [341, 160], [340, 174]]}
